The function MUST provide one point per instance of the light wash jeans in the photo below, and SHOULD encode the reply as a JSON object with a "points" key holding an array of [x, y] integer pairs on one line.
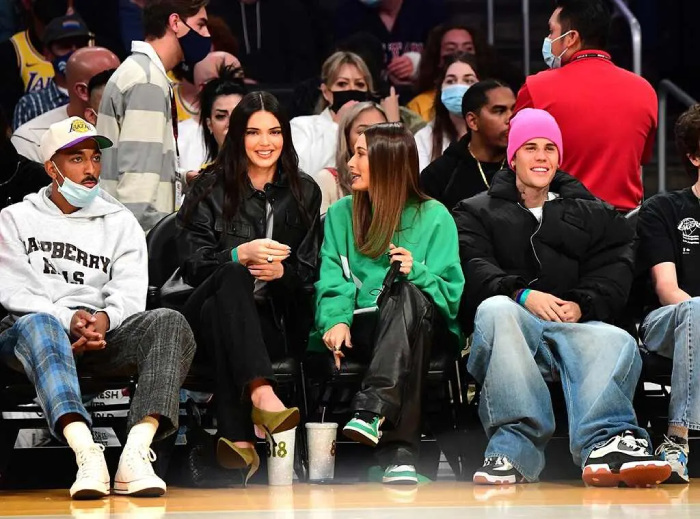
{"points": [[513, 354], [673, 331]]}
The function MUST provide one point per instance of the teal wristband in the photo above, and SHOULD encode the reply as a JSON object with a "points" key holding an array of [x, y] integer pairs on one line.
{"points": [[523, 296], [234, 255]]}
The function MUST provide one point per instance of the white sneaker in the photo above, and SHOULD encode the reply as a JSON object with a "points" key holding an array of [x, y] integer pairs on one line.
{"points": [[92, 480], [135, 475]]}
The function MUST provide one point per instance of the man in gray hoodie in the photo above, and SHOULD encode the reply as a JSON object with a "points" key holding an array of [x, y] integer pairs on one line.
{"points": [[73, 278]]}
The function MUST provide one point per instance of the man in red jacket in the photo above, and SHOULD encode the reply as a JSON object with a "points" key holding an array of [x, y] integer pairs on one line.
{"points": [[608, 116]]}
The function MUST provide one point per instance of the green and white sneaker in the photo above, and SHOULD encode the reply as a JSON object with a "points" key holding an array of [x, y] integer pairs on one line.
{"points": [[363, 432], [400, 475]]}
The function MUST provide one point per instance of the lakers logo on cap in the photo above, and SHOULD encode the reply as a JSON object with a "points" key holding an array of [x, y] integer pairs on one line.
{"points": [[79, 126]]}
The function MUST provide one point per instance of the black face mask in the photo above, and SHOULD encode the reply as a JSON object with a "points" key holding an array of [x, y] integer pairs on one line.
{"points": [[343, 96]]}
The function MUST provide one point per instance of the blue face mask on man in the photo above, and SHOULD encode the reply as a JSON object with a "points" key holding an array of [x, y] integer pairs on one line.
{"points": [[550, 59], [451, 97], [60, 63], [75, 194], [371, 3]]}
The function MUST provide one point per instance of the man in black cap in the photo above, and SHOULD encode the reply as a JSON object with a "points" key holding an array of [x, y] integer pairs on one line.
{"points": [[62, 36]]}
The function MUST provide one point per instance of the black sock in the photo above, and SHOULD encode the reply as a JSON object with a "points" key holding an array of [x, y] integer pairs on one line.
{"points": [[366, 416], [678, 440]]}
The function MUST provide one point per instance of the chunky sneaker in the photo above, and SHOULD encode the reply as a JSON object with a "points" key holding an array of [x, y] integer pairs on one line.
{"points": [[92, 480], [497, 470], [400, 475], [675, 451], [363, 432], [624, 459], [135, 475]]}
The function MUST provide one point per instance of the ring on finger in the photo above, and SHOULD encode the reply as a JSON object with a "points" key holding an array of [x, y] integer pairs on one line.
{"points": [[269, 259]]}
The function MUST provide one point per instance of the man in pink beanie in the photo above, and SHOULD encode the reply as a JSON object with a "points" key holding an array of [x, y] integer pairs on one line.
{"points": [[547, 267]]}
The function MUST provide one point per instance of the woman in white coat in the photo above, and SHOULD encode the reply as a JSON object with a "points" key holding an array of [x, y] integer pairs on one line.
{"points": [[346, 80]]}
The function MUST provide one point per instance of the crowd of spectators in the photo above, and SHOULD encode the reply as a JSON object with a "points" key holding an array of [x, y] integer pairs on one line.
{"points": [[499, 198]]}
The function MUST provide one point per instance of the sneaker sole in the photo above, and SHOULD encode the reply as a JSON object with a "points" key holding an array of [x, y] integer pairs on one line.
{"points": [[484, 478], [633, 474], [124, 489], [400, 480], [360, 436], [90, 493], [677, 479]]}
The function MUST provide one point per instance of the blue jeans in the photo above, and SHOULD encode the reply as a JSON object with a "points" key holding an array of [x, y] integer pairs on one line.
{"points": [[514, 353], [673, 331]]}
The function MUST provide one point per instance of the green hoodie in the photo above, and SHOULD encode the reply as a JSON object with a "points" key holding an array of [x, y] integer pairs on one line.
{"points": [[351, 281]]}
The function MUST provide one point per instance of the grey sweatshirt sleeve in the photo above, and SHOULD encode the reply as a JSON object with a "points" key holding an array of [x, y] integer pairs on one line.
{"points": [[125, 292], [21, 288]]}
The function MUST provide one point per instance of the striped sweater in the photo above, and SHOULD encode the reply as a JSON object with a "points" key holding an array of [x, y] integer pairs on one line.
{"points": [[135, 113]]}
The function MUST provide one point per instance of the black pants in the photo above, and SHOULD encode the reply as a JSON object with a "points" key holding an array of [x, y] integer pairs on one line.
{"points": [[396, 342], [237, 337]]}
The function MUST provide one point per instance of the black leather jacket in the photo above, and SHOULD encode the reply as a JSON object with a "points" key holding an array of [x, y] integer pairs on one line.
{"points": [[204, 243]]}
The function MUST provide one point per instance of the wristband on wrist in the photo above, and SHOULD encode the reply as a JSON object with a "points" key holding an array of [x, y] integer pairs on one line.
{"points": [[522, 297], [234, 255], [516, 297]]}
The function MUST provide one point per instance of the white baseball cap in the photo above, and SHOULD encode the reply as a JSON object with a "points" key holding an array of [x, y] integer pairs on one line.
{"points": [[67, 133]]}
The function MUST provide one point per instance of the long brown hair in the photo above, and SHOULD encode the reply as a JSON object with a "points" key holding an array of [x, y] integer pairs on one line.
{"points": [[393, 165]]}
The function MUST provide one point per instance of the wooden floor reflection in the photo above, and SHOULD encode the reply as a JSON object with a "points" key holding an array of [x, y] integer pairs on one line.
{"points": [[430, 501]]}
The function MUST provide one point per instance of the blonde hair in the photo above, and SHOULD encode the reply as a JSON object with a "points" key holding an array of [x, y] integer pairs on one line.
{"points": [[331, 70], [343, 151]]}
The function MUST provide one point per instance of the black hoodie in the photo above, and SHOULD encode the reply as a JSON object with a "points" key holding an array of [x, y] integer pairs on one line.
{"points": [[455, 176], [581, 250], [19, 176]]}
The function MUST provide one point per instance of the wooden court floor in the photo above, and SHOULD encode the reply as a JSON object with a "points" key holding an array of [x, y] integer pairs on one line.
{"points": [[440, 500]]}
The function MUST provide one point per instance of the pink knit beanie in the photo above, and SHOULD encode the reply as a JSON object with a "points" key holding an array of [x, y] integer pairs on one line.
{"points": [[532, 123]]}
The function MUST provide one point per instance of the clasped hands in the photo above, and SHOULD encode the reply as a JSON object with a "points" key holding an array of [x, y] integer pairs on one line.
{"points": [[551, 308], [88, 331]]}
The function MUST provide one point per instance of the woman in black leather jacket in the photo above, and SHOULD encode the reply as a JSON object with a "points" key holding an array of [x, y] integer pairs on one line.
{"points": [[249, 236]]}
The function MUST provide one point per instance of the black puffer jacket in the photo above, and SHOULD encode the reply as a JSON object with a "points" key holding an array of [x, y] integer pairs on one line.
{"points": [[582, 251], [455, 176], [204, 244]]}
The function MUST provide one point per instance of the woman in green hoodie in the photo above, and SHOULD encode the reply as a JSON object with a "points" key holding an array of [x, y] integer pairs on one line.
{"points": [[387, 219]]}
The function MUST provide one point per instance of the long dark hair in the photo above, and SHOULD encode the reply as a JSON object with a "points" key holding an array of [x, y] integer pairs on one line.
{"points": [[231, 165], [229, 81], [443, 124], [393, 166], [430, 60]]}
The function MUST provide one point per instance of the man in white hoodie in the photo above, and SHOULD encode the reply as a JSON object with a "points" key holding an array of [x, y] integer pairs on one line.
{"points": [[73, 278]]}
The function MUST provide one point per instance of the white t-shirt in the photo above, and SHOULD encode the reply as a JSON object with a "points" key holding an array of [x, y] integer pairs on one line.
{"points": [[537, 211], [424, 143], [190, 142]]}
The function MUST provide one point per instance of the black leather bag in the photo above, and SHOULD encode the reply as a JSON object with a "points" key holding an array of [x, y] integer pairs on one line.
{"points": [[175, 292]]}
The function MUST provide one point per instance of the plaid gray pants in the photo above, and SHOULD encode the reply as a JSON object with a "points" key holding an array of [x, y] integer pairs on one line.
{"points": [[157, 345]]}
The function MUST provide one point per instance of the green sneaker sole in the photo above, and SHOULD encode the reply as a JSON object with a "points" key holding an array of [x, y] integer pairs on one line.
{"points": [[359, 434], [400, 478]]}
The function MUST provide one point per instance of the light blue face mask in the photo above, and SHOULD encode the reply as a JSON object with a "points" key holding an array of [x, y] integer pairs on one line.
{"points": [[550, 59], [371, 3], [451, 97], [76, 194]]}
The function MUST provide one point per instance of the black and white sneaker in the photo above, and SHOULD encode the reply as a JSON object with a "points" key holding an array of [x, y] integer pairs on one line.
{"points": [[497, 470], [627, 460]]}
